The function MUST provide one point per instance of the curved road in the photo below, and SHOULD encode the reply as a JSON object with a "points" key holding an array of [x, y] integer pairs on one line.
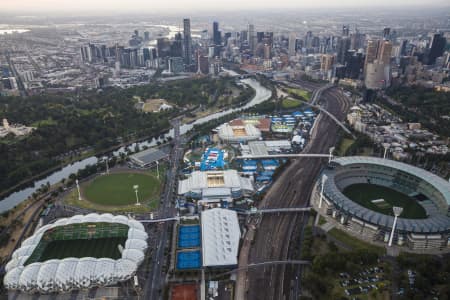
{"points": [[291, 189]]}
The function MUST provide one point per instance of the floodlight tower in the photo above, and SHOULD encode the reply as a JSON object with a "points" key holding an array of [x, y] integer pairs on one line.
{"points": [[397, 211], [386, 147], [324, 179], [136, 187], [78, 188], [331, 154]]}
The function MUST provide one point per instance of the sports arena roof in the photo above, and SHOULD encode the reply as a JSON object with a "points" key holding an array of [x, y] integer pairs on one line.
{"points": [[433, 224], [440, 184], [62, 275], [207, 182], [220, 237], [247, 132]]}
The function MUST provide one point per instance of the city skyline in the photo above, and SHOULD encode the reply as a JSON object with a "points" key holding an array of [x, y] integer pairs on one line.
{"points": [[196, 6]]}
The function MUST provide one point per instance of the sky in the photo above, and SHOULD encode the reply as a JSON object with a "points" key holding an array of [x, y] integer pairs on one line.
{"points": [[196, 5]]}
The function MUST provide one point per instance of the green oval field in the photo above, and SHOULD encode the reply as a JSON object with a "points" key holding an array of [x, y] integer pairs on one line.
{"points": [[117, 189]]}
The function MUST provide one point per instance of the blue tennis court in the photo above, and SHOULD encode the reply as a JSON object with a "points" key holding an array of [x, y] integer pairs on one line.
{"points": [[188, 260], [189, 236], [212, 159]]}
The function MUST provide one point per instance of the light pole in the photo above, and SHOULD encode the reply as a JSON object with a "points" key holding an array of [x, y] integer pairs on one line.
{"points": [[136, 187], [107, 166], [324, 179], [78, 188], [331, 154], [397, 211], [157, 168]]}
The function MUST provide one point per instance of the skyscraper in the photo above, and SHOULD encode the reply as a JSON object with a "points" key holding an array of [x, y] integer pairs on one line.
{"points": [[384, 52], [342, 48], [345, 30], [292, 41], [371, 52], [386, 33], [216, 33], [251, 37], [437, 48], [187, 51]]}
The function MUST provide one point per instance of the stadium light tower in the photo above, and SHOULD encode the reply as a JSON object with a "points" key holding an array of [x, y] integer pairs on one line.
{"points": [[397, 211], [324, 179], [136, 187], [78, 188], [331, 154], [386, 147]]}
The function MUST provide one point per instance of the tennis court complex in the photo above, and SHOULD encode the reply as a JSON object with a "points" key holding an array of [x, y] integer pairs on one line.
{"points": [[188, 236]]}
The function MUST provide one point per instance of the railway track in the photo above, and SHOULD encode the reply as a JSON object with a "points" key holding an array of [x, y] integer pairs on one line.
{"points": [[292, 189]]}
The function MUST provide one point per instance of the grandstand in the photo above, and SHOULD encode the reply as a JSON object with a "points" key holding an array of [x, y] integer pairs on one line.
{"points": [[369, 218], [77, 253]]}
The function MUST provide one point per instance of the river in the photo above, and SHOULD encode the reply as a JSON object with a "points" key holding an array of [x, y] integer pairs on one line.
{"points": [[262, 94]]}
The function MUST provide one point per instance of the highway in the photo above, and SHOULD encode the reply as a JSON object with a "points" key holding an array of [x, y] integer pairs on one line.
{"points": [[155, 280], [292, 189]]}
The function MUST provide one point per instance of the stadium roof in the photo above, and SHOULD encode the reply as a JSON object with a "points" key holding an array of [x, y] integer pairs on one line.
{"points": [[440, 184], [432, 224], [62, 275], [148, 156], [220, 237], [246, 132]]}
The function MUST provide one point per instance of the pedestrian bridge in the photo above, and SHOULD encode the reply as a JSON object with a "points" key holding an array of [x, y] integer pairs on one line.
{"points": [[287, 155], [274, 210], [267, 263]]}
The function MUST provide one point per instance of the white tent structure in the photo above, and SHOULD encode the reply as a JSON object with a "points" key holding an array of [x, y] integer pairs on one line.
{"points": [[63, 275], [220, 237]]}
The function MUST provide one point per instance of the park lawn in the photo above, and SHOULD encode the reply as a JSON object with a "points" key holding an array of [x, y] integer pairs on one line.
{"points": [[117, 188], [301, 93], [290, 103], [353, 242], [364, 193], [344, 145]]}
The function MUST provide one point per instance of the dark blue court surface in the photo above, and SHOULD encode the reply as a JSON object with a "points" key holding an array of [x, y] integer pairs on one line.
{"points": [[189, 236], [188, 260]]}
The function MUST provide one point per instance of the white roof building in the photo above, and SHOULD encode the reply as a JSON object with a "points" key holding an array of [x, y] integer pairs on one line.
{"points": [[220, 237], [63, 275], [241, 133], [215, 184]]}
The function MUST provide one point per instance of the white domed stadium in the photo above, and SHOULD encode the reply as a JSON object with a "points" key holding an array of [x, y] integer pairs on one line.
{"points": [[78, 253]]}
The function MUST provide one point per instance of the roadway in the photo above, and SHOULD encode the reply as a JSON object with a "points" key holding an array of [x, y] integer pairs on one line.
{"points": [[273, 238], [155, 280]]}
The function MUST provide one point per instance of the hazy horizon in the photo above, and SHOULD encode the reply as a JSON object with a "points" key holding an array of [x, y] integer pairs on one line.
{"points": [[176, 6]]}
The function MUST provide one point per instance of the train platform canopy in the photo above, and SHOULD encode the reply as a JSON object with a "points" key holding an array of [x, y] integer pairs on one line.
{"points": [[147, 157], [220, 237]]}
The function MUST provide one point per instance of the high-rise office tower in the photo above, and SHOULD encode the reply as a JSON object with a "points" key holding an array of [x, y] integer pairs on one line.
{"points": [[326, 62], [385, 52], [187, 49], [146, 36], [216, 33], [308, 39], [342, 48], [437, 48], [291, 46], [345, 30], [251, 37], [371, 52], [386, 33]]}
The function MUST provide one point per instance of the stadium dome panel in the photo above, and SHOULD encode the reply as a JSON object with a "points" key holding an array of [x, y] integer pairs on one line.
{"points": [[28, 278], [104, 270], [65, 274], [61, 222], [11, 280], [121, 219], [84, 272], [124, 269], [136, 244], [108, 218], [24, 251], [137, 234], [34, 239], [46, 278], [91, 218], [133, 255]]}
